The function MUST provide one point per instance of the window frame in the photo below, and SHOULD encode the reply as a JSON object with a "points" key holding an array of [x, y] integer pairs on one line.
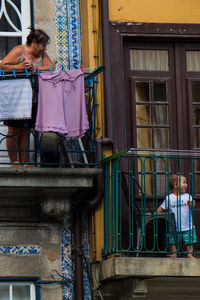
{"points": [[35, 289], [133, 105], [26, 21], [117, 115]]}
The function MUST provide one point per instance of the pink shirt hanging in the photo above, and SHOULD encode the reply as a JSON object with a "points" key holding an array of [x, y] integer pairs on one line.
{"points": [[74, 104], [50, 114], [61, 103]]}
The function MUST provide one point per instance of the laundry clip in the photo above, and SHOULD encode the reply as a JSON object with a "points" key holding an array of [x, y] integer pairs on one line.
{"points": [[51, 70], [0, 71], [3, 74], [14, 72], [26, 71], [37, 71]]}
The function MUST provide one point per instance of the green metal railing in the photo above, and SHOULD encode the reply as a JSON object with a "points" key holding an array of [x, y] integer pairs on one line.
{"points": [[136, 183]]}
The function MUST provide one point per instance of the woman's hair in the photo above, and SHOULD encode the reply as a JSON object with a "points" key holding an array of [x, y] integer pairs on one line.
{"points": [[173, 180], [38, 35]]}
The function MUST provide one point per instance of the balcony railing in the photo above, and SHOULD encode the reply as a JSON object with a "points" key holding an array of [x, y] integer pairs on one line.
{"points": [[52, 149], [136, 183]]}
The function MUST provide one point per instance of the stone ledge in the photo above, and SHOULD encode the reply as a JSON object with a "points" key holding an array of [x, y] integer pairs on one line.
{"points": [[124, 267], [50, 189], [48, 177]]}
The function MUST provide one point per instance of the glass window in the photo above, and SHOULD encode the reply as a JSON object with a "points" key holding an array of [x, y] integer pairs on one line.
{"points": [[152, 119], [14, 22], [159, 91], [143, 114], [4, 292], [149, 60], [17, 291], [196, 113], [193, 60], [142, 91], [195, 92]]}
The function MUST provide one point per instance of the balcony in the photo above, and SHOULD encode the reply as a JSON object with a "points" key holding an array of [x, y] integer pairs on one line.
{"points": [[136, 236], [52, 149], [57, 168]]}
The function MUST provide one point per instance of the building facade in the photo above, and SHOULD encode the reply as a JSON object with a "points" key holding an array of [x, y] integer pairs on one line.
{"points": [[52, 219], [38, 205], [151, 81]]}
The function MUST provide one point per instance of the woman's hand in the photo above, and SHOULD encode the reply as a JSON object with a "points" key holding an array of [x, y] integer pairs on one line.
{"points": [[28, 64]]}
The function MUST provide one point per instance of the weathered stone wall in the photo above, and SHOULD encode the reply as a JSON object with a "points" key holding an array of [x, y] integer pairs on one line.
{"points": [[32, 250], [44, 18]]}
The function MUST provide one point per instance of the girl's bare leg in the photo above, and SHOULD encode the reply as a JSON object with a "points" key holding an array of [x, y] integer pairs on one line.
{"points": [[173, 249], [190, 251]]}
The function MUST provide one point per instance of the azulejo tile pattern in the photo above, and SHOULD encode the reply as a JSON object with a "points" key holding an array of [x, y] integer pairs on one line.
{"points": [[68, 34], [68, 258], [68, 45], [20, 250]]}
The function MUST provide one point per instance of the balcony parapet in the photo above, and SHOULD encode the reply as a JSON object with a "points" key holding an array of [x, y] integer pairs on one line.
{"points": [[126, 267], [146, 277], [48, 188]]}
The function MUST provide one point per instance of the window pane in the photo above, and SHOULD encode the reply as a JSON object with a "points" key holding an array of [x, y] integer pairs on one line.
{"points": [[144, 138], [4, 292], [143, 115], [142, 91], [159, 91], [193, 60], [196, 92], [196, 133], [149, 60], [8, 43], [21, 292], [197, 186], [160, 115], [161, 138], [12, 12], [196, 114]]}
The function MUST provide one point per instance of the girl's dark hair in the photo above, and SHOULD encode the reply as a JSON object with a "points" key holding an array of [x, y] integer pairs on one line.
{"points": [[173, 180], [38, 35]]}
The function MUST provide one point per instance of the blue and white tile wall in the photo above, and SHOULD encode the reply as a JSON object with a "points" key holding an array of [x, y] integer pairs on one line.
{"points": [[68, 34], [68, 43], [20, 250]]}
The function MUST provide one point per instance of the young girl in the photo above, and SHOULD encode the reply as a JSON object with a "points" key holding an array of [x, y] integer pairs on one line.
{"points": [[180, 203]]}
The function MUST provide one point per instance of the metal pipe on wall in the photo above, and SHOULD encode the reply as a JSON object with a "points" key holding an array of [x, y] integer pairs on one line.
{"points": [[107, 72], [78, 212]]}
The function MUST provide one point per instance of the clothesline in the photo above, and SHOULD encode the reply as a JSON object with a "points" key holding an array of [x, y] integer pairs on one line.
{"points": [[19, 74]]}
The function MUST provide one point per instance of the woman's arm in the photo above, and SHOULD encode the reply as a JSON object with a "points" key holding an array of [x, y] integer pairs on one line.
{"points": [[46, 63], [12, 60]]}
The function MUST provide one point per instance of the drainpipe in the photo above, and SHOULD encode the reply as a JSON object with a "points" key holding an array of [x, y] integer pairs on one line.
{"points": [[99, 179], [79, 289], [93, 203], [107, 72]]}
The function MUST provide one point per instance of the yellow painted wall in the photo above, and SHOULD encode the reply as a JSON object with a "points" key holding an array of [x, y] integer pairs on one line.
{"points": [[155, 11], [91, 37], [91, 43]]}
